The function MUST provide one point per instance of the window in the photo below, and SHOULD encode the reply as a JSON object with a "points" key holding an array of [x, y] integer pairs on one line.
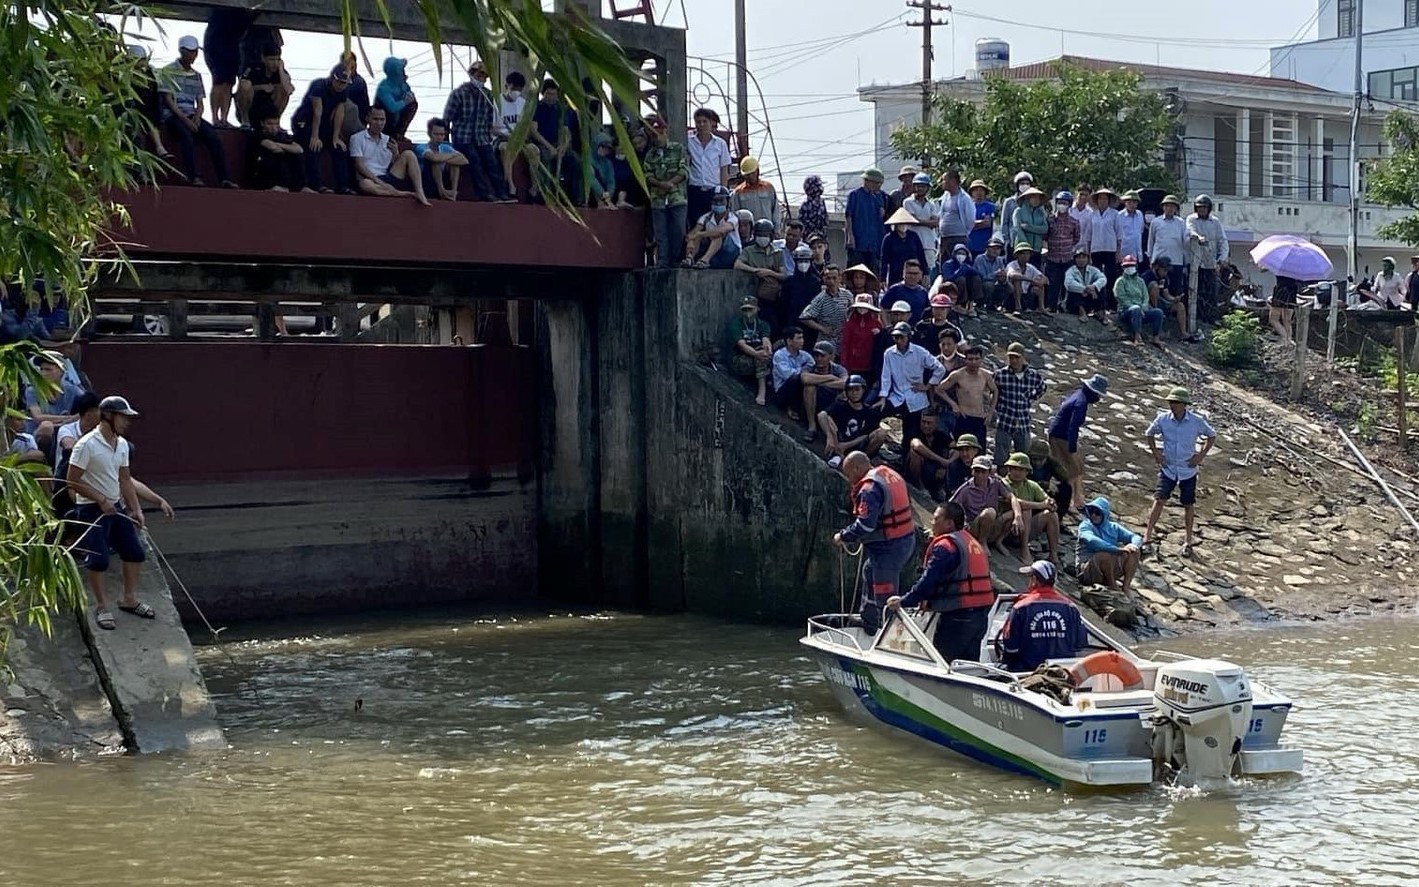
{"points": [[1345, 18], [1399, 84], [1411, 13]]}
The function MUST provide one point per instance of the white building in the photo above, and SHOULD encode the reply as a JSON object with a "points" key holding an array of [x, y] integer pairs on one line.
{"points": [[1272, 152], [1389, 52]]}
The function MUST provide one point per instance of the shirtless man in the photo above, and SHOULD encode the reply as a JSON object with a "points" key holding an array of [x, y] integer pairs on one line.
{"points": [[971, 394]]}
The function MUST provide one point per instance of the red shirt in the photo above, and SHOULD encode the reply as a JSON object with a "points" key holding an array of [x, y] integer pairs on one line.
{"points": [[856, 345]]}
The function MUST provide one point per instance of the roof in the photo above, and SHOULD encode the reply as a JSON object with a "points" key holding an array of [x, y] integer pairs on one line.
{"points": [[1038, 70]]}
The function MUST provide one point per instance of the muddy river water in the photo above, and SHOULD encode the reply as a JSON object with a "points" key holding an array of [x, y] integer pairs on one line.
{"points": [[632, 750]]}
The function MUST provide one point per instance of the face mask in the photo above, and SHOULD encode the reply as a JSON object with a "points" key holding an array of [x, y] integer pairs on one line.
{"points": [[1130, 271], [719, 207], [762, 241], [963, 258], [1061, 208], [1023, 187], [803, 266]]}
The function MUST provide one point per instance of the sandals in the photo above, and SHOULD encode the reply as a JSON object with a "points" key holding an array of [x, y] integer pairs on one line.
{"points": [[141, 610], [104, 620]]}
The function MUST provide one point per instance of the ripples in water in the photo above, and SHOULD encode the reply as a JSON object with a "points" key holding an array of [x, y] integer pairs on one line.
{"points": [[679, 751]]}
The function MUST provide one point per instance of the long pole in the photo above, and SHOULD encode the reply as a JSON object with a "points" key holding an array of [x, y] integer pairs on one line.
{"points": [[1352, 245], [741, 78], [1403, 392], [927, 55]]}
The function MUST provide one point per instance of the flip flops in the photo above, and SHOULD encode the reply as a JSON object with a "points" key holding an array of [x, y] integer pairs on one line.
{"points": [[141, 610], [104, 620]]}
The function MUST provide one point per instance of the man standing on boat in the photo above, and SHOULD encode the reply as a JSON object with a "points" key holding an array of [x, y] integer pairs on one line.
{"points": [[884, 526], [955, 582]]}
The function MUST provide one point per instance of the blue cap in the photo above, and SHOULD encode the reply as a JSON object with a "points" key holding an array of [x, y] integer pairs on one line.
{"points": [[1063, 195], [1098, 384], [921, 178], [1042, 570]]}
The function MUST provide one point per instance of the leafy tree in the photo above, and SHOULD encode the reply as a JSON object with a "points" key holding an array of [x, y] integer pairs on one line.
{"points": [[1393, 180], [1081, 125], [67, 145]]}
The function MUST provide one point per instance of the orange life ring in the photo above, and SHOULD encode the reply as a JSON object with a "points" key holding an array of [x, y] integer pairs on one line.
{"points": [[1125, 674]]}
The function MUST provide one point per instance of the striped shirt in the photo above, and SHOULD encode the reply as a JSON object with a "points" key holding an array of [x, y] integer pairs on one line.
{"points": [[830, 311], [1062, 237], [184, 85]]}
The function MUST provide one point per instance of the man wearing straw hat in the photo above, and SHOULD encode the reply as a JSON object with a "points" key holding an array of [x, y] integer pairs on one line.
{"points": [[1178, 459]]}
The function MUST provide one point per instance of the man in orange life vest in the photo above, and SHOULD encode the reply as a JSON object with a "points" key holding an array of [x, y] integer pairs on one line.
{"points": [[1043, 623], [955, 582], [883, 511]]}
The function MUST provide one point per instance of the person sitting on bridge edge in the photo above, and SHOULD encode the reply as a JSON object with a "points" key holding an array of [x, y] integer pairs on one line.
{"points": [[275, 160], [1043, 624], [821, 382], [930, 455], [383, 169], [1048, 473], [442, 164], [751, 348], [396, 97], [48, 414], [714, 240], [181, 91], [851, 425], [954, 582], [883, 523], [1108, 551], [100, 478]]}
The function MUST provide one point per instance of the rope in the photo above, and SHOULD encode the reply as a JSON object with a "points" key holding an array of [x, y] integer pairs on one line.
{"points": [[845, 552]]}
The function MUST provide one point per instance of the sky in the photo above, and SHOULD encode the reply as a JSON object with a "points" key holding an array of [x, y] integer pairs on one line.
{"points": [[810, 56]]}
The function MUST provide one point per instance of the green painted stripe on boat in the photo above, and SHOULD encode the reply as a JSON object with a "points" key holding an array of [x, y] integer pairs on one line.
{"points": [[889, 700]]}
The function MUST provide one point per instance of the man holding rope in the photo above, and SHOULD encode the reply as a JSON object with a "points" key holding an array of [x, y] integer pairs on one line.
{"points": [[883, 524], [108, 507]]}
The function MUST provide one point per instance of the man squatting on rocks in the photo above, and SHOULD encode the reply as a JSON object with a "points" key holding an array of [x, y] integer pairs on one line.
{"points": [[883, 524]]}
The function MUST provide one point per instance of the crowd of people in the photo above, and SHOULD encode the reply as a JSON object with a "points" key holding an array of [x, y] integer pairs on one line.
{"points": [[843, 349], [346, 139], [78, 439]]}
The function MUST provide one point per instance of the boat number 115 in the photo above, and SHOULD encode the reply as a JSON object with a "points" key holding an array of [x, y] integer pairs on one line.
{"points": [[1094, 737]]}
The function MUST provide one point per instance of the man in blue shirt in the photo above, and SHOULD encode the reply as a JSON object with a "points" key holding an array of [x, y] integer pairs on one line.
{"points": [[1042, 625], [440, 162], [1178, 460], [980, 235], [866, 220], [47, 415], [1064, 431]]}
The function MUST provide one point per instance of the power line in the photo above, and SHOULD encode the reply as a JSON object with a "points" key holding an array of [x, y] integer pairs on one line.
{"points": [[1127, 38]]}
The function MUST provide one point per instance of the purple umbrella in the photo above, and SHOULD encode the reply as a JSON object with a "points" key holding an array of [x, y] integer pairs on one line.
{"points": [[1287, 255]]}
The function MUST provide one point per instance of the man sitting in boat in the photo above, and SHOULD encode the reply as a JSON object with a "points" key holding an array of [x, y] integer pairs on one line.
{"points": [[955, 582], [1043, 624], [883, 511]]}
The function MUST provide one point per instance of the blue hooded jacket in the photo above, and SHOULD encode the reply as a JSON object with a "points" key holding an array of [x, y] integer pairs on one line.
{"points": [[1107, 536], [393, 92]]}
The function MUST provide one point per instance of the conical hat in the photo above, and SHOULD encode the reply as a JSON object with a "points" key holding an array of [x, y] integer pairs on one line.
{"points": [[902, 217]]}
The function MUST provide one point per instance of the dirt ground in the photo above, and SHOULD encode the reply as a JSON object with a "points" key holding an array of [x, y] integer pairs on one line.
{"points": [[1288, 526]]}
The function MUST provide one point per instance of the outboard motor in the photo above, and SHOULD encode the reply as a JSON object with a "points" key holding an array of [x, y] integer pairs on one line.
{"points": [[1203, 711]]}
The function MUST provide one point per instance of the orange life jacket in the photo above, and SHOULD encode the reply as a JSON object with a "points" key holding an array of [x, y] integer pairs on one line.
{"points": [[895, 519], [969, 586]]}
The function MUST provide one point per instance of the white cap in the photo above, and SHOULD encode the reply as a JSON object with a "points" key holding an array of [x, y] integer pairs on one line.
{"points": [[188, 42]]}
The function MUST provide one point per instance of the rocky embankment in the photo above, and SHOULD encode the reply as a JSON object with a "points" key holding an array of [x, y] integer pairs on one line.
{"points": [[1288, 526]]}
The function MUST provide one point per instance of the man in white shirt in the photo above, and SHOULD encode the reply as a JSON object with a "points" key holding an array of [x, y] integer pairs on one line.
{"points": [[107, 500], [909, 372], [709, 163], [1389, 285], [928, 213], [381, 171]]}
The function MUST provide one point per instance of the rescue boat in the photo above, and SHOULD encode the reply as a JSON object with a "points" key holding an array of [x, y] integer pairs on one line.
{"points": [[1105, 717]]}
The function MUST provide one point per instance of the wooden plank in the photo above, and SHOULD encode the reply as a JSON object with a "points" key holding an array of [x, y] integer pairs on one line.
{"points": [[349, 314], [1403, 399], [1303, 332], [177, 318]]}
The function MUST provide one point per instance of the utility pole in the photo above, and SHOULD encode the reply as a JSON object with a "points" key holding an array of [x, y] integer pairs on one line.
{"points": [[741, 79], [1352, 246], [1352, 242], [927, 7]]}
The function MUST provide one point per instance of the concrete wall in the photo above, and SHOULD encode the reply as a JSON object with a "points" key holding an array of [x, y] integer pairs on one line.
{"points": [[254, 550], [661, 483], [315, 476]]}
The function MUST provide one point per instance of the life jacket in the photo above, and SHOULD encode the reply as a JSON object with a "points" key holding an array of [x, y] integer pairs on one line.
{"points": [[969, 586], [895, 519]]}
